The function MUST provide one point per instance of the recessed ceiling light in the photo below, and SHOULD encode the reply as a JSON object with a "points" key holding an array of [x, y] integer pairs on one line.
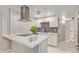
{"points": [[78, 16], [64, 18], [63, 21]]}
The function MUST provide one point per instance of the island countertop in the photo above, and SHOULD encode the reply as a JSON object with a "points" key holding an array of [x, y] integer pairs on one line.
{"points": [[26, 40]]}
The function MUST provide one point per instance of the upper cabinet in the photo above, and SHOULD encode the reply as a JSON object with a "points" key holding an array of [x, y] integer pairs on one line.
{"points": [[53, 21]]}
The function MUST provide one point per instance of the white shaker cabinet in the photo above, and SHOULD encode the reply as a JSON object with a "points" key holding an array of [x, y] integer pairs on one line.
{"points": [[53, 39], [53, 21]]}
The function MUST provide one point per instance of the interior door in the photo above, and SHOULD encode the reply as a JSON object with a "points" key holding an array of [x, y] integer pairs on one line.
{"points": [[72, 30]]}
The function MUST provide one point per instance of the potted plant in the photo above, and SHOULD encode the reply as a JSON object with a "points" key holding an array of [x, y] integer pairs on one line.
{"points": [[34, 29]]}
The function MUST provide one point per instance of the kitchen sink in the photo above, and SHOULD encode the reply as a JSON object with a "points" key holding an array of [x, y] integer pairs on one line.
{"points": [[32, 38], [24, 35]]}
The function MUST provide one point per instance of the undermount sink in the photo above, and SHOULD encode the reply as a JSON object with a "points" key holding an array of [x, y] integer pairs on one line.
{"points": [[24, 35]]}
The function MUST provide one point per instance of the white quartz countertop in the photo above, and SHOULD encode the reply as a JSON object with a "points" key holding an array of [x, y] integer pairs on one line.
{"points": [[26, 40]]}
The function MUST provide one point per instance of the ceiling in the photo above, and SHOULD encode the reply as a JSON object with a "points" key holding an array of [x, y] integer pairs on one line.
{"points": [[58, 10]]}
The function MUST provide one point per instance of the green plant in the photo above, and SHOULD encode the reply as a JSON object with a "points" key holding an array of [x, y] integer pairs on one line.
{"points": [[34, 29]]}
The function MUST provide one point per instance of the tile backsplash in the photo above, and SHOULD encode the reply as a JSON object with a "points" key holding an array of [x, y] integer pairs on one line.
{"points": [[49, 29]]}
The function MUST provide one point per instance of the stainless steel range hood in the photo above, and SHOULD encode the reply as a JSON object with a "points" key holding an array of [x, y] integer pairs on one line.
{"points": [[24, 14]]}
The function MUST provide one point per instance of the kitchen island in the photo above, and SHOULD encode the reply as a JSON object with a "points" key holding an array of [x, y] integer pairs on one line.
{"points": [[28, 44]]}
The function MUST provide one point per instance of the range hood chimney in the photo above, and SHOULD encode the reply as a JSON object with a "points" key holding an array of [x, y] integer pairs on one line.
{"points": [[24, 13]]}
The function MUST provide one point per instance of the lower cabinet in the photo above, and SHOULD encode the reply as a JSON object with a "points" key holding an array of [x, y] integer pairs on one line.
{"points": [[53, 39], [19, 48]]}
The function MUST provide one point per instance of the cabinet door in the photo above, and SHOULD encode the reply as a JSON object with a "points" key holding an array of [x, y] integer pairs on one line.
{"points": [[4, 21], [53, 21], [43, 46], [53, 39]]}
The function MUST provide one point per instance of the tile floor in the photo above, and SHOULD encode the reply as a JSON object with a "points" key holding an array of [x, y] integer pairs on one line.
{"points": [[64, 47], [54, 50]]}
